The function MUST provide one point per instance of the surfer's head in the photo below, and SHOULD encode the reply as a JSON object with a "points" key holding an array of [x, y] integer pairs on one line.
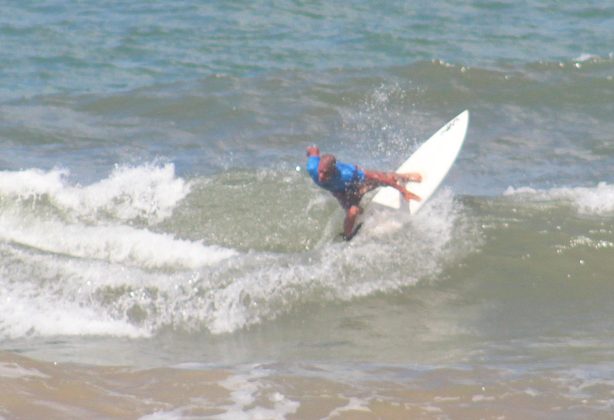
{"points": [[326, 168]]}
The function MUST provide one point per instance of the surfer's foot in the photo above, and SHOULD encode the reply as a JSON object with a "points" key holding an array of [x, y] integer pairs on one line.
{"points": [[408, 195]]}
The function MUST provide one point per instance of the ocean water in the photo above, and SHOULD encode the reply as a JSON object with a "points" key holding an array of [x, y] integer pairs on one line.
{"points": [[165, 255]]}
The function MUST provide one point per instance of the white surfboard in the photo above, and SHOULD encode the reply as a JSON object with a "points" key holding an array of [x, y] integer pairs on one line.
{"points": [[432, 160]]}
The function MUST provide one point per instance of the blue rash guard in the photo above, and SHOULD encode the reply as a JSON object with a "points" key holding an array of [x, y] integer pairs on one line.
{"points": [[347, 176]]}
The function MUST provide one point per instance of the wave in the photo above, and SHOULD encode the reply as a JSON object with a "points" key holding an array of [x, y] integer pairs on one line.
{"points": [[256, 287], [107, 259], [105, 220], [598, 200], [147, 193]]}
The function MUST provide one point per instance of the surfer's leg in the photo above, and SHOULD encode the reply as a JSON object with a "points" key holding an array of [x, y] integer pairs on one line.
{"points": [[391, 179], [376, 179], [379, 179], [409, 177], [350, 201], [350, 220]]}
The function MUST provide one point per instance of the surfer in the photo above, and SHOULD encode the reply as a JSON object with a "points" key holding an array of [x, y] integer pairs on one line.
{"points": [[349, 183]]}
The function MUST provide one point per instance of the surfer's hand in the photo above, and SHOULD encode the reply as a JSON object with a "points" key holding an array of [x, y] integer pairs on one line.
{"points": [[313, 151]]}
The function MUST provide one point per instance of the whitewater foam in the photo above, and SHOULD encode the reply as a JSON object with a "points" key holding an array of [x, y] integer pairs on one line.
{"points": [[598, 200], [244, 392], [269, 284], [42, 210], [118, 278], [34, 313], [149, 192], [116, 244]]}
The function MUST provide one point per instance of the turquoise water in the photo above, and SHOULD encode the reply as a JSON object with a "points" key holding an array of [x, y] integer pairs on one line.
{"points": [[155, 210]]}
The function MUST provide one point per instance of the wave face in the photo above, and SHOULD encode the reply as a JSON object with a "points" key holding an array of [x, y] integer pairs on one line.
{"points": [[155, 209]]}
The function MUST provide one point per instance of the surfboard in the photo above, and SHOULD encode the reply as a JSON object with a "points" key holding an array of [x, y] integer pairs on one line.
{"points": [[433, 160]]}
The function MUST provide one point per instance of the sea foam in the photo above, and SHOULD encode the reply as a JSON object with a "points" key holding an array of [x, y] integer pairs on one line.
{"points": [[75, 251], [43, 210], [149, 192], [598, 200]]}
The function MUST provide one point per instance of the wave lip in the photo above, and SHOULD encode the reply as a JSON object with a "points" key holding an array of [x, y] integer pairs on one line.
{"points": [[149, 192]]}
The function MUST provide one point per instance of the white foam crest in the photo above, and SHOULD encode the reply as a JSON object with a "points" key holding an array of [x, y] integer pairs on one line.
{"points": [[116, 244], [583, 57], [149, 192], [261, 293], [103, 298], [244, 292], [35, 313], [597, 200], [31, 183]]}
